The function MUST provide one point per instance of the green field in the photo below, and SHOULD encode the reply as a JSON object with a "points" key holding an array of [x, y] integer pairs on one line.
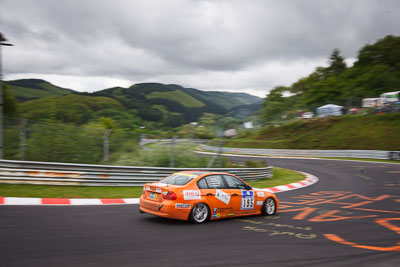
{"points": [[42, 89], [369, 132], [178, 96], [281, 177]]}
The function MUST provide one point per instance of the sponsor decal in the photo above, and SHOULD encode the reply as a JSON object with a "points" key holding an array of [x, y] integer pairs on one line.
{"points": [[191, 194], [158, 190], [224, 209], [148, 188], [153, 195], [247, 200], [214, 181], [216, 215], [159, 184], [224, 197], [182, 206], [230, 214], [245, 212], [215, 209], [259, 203], [260, 194]]}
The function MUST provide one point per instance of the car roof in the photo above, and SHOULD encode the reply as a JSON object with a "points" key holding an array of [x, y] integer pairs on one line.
{"points": [[198, 173], [201, 173]]}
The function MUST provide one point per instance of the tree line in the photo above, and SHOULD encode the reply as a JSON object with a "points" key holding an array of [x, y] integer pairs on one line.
{"points": [[375, 71]]}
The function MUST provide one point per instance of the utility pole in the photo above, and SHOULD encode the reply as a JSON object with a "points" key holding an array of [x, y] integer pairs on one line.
{"points": [[22, 138], [2, 42], [220, 150], [172, 153], [106, 146]]}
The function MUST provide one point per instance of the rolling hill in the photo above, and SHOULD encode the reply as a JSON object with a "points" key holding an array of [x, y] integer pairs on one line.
{"points": [[28, 89], [170, 104]]}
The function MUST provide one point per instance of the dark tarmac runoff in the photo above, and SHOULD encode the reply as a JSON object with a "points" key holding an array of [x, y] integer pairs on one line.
{"points": [[351, 217]]}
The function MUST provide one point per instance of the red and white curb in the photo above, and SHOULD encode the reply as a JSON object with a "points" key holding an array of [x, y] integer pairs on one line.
{"points": [[66, 201], [310, 179]]}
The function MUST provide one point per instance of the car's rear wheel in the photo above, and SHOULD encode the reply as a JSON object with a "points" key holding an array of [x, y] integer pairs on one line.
{"points": [[269, 207], [199, 213]]}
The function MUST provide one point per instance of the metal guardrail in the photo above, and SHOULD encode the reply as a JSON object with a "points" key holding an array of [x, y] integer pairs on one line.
{"points": [[51, 173], [368, 154]]}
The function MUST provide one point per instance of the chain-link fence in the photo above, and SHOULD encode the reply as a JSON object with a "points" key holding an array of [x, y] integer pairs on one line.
{"points": [[50, 141]]}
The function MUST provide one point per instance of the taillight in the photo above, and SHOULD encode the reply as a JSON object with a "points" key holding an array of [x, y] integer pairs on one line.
{"points": [[169, 195]]}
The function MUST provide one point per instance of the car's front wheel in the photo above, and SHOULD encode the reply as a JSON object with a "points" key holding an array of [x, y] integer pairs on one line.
{"points": [[269, 207], [199, 213]]}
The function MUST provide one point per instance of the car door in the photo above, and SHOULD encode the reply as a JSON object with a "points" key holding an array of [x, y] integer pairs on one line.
{"points": [[243, 198], [214, 188]]}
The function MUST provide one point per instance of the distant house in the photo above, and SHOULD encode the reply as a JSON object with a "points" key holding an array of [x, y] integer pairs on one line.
{"points": [[230, 133], [391, 97], [372, 102], [329, 110], [248, 125]]}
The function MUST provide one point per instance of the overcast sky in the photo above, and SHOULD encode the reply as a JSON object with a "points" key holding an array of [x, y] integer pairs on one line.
{"points": [[238, 46]]}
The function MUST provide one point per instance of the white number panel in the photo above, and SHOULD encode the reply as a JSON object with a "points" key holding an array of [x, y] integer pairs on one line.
{"points": [[247, 200]]}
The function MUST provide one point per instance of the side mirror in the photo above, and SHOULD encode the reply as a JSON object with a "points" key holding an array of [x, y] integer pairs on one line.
{"points": [[248, 187]]}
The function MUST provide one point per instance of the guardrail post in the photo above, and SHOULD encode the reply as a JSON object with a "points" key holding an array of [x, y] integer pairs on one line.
{"points": [[106, 146]]}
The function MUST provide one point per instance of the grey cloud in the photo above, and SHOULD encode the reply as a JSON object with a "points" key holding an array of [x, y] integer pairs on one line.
{"points": [[141, 40]]}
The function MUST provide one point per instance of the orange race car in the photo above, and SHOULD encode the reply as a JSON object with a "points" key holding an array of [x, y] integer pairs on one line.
{"points": [[198, 196]]}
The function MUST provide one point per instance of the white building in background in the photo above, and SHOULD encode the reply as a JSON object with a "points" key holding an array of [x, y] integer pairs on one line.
{"points": [[230, 133], [391, 97], [330, 110], [372, 102], [248, 125]]}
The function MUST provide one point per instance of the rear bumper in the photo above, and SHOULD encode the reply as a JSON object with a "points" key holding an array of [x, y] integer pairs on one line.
{"points": [[164, 209]]}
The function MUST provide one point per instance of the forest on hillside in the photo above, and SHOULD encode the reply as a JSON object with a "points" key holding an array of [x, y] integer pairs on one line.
{"points": [[56, 124], [375, 71]]}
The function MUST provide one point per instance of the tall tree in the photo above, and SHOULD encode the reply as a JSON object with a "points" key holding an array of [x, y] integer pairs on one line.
{"points": [[337, 63], [10, 107]]}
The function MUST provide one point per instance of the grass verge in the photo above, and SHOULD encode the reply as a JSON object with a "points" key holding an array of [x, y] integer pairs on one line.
{"points": [[281, 177], [55, 191], [334, 158], [362, 159]]}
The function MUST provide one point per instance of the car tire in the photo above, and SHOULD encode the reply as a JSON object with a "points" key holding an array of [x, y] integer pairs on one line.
{"points": [[269, 207], [199, 214]]}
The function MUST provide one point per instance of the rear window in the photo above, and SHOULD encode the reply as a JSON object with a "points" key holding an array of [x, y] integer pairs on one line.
{"points": [[178, 179]]}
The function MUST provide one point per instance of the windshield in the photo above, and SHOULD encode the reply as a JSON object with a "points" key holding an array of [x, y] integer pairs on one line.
{"points": [[178, 179]]}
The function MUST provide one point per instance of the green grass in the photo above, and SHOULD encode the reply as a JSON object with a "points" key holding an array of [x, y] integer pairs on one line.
{"points": [[48, 90], [362, 159], [281, 177], [358, 159], [364, 132], [178, 96]]}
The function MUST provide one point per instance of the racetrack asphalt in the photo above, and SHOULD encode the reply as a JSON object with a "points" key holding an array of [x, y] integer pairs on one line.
{"points": [[350, 217]]}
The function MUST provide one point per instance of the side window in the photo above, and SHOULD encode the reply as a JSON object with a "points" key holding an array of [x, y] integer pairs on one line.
{"points": [[215, 182], [234, 183], [202, 184]]}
